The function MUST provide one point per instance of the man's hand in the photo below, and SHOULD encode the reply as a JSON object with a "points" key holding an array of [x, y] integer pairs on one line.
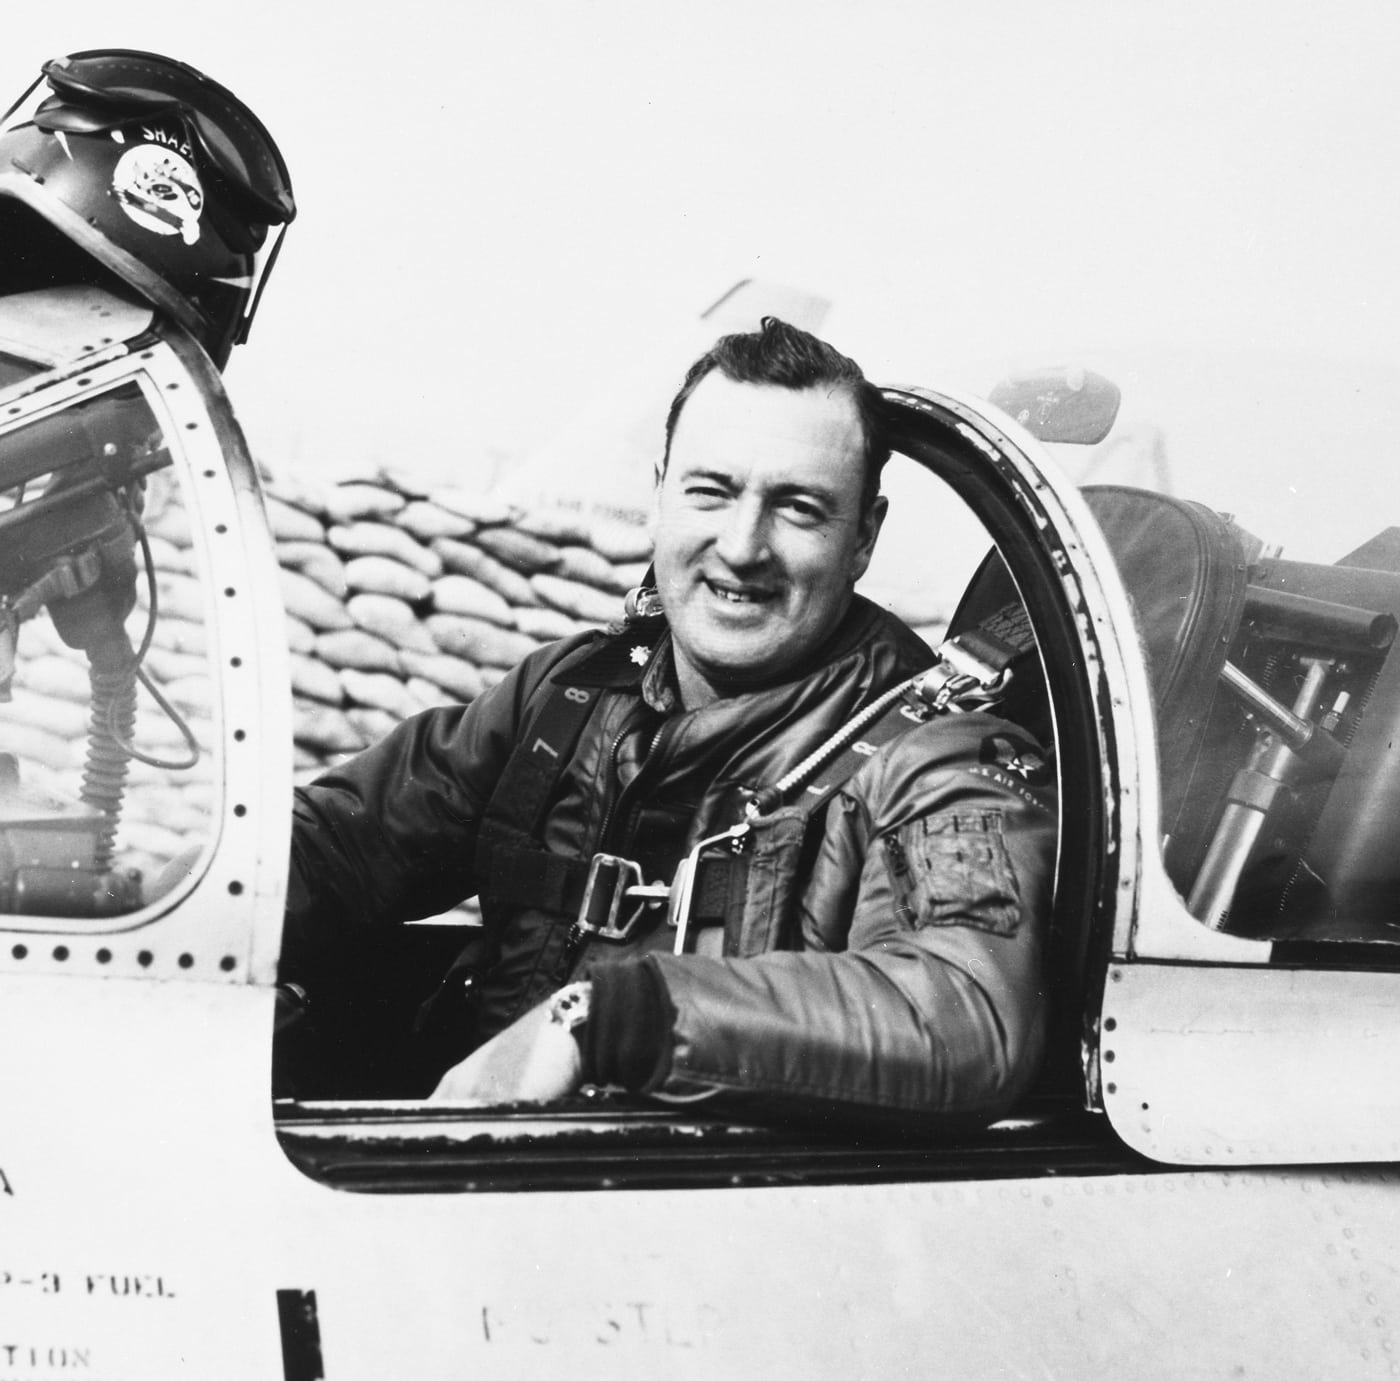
{"points": [[532, 1061]]}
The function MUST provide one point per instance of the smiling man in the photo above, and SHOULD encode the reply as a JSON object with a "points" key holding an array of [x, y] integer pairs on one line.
{"points": [[872, 946], [764, 526]]}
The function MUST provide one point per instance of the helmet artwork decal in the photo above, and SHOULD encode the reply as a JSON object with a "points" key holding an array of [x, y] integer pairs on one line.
{"points": [[159, 189], [131, 172]]}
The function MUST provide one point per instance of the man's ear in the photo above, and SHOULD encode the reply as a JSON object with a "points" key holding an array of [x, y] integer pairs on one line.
{"points": [[870, 523], [658, 475]]}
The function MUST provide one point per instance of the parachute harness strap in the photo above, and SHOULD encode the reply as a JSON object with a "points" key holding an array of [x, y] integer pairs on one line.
{"points": [[957, 683], [765, 801]]}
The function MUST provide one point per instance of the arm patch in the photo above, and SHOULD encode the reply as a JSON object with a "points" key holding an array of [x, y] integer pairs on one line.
{"points": [[951, 869]]}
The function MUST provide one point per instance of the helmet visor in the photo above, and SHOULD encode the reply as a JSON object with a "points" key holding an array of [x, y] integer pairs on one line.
{"points": [[92, 95], [98, 90]]}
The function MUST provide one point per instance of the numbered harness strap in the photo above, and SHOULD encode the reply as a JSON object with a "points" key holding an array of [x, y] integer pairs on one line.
{"points": [[511, 867]]}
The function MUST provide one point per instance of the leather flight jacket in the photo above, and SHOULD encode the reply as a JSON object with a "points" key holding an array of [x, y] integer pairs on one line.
{"points": [[579, 754]]}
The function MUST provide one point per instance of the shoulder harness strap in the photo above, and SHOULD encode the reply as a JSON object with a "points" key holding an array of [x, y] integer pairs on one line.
{"points": [[510, 864]]}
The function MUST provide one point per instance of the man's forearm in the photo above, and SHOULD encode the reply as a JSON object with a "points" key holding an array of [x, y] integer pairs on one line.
{"points": [[626, 1041], [904, 1030]]}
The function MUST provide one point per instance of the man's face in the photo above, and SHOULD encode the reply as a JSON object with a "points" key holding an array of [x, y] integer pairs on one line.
{"points": [[760, 535]]}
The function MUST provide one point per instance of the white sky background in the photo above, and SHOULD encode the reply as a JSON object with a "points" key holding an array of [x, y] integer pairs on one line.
{"points": [[504, 206]]}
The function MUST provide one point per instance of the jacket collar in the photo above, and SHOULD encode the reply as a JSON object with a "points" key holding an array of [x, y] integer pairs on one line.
{"points": [[638, 656]]}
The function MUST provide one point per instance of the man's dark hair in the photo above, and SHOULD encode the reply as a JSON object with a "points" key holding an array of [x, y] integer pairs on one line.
{"points": [[790, 357]]}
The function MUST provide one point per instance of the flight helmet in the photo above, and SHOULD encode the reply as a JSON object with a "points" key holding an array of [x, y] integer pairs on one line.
{"points": [[125, 167]]}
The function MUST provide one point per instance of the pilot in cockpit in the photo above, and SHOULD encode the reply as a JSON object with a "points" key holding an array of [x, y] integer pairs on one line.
{"points": [[733, 845]]}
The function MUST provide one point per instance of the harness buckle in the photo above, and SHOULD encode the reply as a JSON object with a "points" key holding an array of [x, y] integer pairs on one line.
{"points": [[683, 888], [961, 677], [613, 881]]}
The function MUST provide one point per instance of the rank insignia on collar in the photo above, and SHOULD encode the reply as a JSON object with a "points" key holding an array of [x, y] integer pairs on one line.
{"points": [[639, 655]]}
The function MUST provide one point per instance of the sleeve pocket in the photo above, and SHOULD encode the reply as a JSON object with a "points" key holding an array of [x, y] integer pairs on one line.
{"points": [[951, 869]]}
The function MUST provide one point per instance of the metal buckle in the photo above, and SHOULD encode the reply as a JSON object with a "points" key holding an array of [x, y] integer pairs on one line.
{"points": [[959, 676], [683, 889], [611, 871]]}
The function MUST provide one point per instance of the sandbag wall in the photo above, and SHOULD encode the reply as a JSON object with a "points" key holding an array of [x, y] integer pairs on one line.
{"points": [[400, 598]]}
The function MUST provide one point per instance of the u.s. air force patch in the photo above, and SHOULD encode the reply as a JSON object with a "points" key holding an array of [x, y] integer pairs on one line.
{"points": [[999, 751], [1018, 767]]}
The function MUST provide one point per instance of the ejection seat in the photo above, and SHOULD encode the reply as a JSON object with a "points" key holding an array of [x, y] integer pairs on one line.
{"points": [[1279, 786]]}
